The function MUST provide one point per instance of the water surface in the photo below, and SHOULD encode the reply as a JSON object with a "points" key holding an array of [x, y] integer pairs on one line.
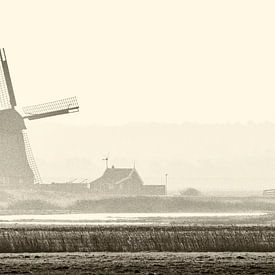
{"points": [[117, 218]]}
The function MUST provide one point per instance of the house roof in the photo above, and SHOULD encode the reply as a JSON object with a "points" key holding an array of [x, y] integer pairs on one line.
{"points": [[118, 175]]}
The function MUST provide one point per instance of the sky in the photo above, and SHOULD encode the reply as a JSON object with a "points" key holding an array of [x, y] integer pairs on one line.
{"points": [[158, 63], [144, 61]]}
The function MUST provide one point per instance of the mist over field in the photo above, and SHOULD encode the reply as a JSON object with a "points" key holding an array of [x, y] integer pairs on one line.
{"points": [[215, 158]]}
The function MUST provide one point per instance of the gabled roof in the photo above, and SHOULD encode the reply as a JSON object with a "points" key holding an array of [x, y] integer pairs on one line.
{"points": [[118, 175]]}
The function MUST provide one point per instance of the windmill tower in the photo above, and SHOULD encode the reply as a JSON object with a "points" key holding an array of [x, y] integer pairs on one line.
{"points": [[17, 164]]}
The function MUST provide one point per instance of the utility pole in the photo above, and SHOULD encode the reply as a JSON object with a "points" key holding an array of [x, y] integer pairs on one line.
{"points": [[106, 161], [166, 181]]}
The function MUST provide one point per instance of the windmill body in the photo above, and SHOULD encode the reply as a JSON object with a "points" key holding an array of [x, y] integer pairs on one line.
{"points": [[14, 166], [17, 164]]}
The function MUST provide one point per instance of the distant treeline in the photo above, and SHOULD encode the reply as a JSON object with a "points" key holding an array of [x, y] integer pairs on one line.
{"points": [[152, 204]]}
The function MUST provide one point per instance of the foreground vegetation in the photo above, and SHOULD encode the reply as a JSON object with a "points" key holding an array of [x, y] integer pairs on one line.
{"points": [[137, 239]]}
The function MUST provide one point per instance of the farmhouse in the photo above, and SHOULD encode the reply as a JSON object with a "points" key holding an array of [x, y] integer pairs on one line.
{"points": [[123, 181]]}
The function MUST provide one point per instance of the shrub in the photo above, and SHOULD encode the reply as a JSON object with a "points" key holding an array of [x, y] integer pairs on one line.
{"points": [[190, 192]]}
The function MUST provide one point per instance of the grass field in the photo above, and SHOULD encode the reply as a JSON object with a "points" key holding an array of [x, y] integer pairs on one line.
{"points": [[137, 239]]}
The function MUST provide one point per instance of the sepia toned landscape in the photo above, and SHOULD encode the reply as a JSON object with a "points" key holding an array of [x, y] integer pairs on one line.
{"points": [[137, 137]]}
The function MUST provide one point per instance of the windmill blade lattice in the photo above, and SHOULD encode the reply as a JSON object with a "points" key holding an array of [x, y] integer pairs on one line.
{"points": [[59, 107], [18, 165], [31, 160]]}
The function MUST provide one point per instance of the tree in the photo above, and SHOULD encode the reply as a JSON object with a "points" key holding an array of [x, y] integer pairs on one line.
{"points": [[190, 192]]}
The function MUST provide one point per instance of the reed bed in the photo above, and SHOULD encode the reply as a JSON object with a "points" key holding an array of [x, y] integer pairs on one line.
{"points": [[137, 239]]}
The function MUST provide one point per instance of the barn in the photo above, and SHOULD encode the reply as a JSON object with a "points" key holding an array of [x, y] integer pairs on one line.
{"points": [[123, 181]]}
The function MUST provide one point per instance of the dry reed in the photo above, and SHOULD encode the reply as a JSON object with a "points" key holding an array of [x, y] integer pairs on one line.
{"points": [[137, 238]]}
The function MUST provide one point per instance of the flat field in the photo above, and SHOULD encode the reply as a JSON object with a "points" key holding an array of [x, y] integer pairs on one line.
{"points": [[194, 245], [138, 263]]}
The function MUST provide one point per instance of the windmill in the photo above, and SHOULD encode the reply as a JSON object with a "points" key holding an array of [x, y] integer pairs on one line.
{"points": [[17, 164]]}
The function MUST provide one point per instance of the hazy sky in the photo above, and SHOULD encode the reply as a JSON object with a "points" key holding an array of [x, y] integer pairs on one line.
{"points": [[127, 61]]}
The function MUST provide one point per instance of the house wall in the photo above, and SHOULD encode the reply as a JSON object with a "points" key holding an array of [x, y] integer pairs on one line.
{"points": [[114, 189], [128, 189]]}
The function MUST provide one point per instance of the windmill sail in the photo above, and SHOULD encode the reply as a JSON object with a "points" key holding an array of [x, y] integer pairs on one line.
{"points": [[31, 159], [6, 84], [59, 107], [4, 94], [17, 163]]}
